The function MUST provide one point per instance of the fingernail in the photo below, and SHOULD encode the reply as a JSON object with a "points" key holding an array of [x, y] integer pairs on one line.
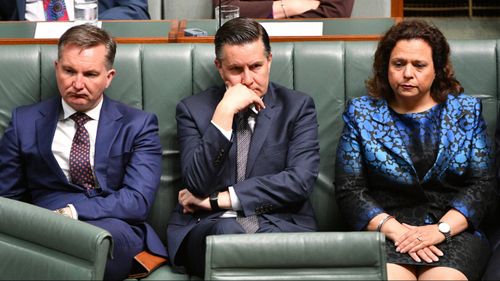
{"points": [[397, 249], [419, 260], [396, 244]]}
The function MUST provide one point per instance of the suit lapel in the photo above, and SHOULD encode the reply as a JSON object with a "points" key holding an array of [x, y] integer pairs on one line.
{"points": [[262, 126], [450, 132], [389, 134], [108, 128], [45, 130]]}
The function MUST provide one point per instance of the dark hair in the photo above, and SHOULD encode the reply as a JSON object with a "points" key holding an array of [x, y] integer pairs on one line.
{"points": [[240, 31], [87, 36], [444, 83]]}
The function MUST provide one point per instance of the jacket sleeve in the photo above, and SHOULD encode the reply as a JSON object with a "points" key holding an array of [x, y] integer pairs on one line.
{"points": [[12, 177], [330, 9], [204, 150], [476, 198], [123, 10], [142, 171], [356, 205]]}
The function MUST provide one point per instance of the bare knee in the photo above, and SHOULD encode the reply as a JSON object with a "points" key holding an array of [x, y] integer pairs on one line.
{"points": [[440, 273], [400, 272]]}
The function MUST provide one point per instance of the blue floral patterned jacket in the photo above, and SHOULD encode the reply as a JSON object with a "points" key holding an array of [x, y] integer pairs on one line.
{"points": [[374, 171]]}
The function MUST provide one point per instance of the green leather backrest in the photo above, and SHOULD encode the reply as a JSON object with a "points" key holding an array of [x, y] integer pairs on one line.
{"points": [[156, 76], [475, 63], [19, 79]]}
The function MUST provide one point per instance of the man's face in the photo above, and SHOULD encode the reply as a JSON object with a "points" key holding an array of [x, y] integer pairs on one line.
{"points": [[246, 64], [82, 76]]}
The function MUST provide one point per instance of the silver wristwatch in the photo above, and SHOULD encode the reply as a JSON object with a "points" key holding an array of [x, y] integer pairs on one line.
{"points": [[446, 230]]}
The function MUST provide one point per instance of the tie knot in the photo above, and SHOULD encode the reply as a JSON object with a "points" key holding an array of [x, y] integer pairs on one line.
{"points": [[80, 118]]}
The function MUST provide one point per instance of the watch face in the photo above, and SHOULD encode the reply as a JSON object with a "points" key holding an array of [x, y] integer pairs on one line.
{"points": [[444, 227]]}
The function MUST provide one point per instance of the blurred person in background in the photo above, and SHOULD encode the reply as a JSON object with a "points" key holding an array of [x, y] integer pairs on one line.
{"points": [[61, 10], [291, 8]]}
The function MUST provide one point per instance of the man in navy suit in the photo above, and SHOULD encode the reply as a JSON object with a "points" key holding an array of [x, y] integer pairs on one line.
{"points": [[123, 151], [282, 161], [108, 9]]}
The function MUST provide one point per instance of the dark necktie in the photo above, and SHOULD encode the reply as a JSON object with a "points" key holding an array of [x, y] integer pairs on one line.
{"points": [[55, 10], [243, 137], [80, 170]]}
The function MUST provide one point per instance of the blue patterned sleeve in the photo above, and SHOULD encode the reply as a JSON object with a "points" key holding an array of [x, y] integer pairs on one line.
{"points": [[357, 207], [476, 197]]}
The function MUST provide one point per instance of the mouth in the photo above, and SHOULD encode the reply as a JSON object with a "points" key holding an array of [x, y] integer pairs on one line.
{"points": [[78, 95], [407, 86]]}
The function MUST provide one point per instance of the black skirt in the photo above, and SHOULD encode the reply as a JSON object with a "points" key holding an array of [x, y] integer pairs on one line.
{"points": [[466, 252]]}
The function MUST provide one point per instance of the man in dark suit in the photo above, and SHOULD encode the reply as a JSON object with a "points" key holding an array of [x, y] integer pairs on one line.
{"points": [[265, 189], [84, 155], [108, 9]]}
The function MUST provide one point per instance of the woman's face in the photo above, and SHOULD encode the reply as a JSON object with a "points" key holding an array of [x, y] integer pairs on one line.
{"points": [[411, 70]]}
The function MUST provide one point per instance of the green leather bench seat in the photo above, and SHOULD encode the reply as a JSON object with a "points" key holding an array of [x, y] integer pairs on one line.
{"points": [[155, 77]]}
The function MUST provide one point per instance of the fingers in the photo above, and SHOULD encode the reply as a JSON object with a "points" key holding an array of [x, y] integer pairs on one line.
{"points": [[411, 244], [414, 256], [238, 97], [427, 254], [436, 251]]}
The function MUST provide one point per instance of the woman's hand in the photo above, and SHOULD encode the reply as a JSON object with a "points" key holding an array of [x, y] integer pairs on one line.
{"points": [[418, 238], [428, 254], [396, 231], [293, 7]]}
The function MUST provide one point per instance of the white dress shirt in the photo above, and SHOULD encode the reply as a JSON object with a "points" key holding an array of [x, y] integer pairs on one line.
{"points": [[35, 12]]}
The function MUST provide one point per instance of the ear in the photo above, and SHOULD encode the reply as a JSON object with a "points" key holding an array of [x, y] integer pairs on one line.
{"points": [[218, 64], [109, 76]]}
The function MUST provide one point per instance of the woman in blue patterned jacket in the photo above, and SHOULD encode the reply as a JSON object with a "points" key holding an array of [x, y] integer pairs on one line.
{"points": [[414, 160]]}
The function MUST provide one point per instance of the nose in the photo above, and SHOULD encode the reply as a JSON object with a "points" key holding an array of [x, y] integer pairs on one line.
{"points": [[78, 82], [246, 77], [408, 71]]}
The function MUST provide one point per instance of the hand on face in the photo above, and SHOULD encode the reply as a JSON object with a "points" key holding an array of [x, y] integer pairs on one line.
{"points": [[238, 97], [245, 70]]}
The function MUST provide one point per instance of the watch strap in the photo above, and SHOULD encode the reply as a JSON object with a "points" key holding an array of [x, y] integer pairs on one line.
{"points": [[447, 235], [214, 201]]}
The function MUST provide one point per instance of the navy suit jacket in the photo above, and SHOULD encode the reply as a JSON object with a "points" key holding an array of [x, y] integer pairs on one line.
{"points": [[374, 171], [282, 165], [127, 164], [108, 10]]}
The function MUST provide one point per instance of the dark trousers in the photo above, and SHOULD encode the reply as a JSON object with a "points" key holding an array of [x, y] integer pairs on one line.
{"points": [[128, 241], [191, 254]]}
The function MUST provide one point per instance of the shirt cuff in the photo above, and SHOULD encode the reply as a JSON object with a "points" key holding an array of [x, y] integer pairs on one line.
{"points": [[226, 133], [235, 202], [74, 213]]}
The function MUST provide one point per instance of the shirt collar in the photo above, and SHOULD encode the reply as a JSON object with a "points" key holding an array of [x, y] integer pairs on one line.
{"points": [[94, 113]]}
